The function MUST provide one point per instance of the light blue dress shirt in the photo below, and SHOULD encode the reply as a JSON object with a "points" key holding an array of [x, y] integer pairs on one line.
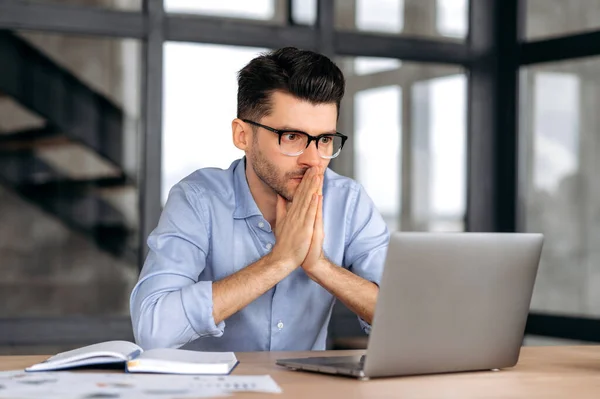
{"points": [[209, 229]]}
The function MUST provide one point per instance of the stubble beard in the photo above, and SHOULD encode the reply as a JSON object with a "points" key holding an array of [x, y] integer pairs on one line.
{"points": [[268, 173]]}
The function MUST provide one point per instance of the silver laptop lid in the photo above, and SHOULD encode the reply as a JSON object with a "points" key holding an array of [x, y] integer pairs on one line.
{"points": [[452, 302]]}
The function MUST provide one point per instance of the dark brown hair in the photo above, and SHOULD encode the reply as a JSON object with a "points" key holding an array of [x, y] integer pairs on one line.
{"points": [[304, 74]]}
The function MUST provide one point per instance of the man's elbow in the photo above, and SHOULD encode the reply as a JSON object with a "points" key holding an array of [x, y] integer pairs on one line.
{"points": [[152, 329], [148, 336], [148, 340]]}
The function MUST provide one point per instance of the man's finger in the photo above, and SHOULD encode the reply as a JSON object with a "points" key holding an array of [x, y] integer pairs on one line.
{"points": [[281, 209], [319, 232], [309, 176], [322, 174], [306, 201], [303, 191], [311, 213], [317, 187], [305, 180], [319, 217]]}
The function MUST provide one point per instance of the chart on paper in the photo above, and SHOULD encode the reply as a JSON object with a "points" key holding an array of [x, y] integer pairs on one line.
{"points": [[117, 385]]}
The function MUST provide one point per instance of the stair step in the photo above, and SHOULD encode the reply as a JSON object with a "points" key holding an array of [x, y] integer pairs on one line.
{"points": [[62, 99], [78, 203], [113, 238], [20, 166], [14, 116], [31, 139], [77, 162], [68, 187]]}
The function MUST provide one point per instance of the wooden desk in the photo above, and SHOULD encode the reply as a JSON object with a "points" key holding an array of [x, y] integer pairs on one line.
{"points": [[542, 372]]}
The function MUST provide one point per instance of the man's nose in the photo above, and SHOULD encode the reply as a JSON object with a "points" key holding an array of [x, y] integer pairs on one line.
{"points": [[310, 157]]}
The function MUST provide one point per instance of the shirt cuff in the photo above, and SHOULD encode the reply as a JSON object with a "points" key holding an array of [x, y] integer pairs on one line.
{"points": [[198, 307], [365, 326]]}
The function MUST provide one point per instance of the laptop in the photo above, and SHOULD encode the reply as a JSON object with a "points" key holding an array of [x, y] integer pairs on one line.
{"points": [[448, 302]]}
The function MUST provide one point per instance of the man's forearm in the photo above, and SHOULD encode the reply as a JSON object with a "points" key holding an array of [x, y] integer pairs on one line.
{"points": [[358, 294], [236, 291]]}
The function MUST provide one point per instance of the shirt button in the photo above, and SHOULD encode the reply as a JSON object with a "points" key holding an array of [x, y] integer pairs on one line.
{"points": [[268, 246], [261, 225], [280, 325]]}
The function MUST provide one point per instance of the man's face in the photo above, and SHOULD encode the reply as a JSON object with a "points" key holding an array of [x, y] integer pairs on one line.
{"points": [[283, 173]]}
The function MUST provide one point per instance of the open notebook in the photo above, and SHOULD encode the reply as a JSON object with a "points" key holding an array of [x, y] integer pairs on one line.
{"points": [[136, 360]]}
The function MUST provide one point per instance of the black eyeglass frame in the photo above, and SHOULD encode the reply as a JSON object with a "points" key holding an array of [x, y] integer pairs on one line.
{"points": [[316, 139]]}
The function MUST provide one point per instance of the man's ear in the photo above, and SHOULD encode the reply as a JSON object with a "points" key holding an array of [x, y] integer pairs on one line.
{"points": [[242, 134]]}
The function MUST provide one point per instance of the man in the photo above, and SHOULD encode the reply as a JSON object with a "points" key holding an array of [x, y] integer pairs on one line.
{"points": [[252, 258]]}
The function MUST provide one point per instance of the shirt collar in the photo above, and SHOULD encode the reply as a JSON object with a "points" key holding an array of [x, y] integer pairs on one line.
{"points": [[245, 206]]}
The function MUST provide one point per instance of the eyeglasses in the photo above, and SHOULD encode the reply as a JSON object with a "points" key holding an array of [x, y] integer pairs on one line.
{"points": [[294, 142]]}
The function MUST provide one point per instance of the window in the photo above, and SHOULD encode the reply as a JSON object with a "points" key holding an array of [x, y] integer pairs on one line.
{"points": [[369, 65], [441, 19], [559, 182], [200, 101], [418, 178], [548, 18], [125, 5], [263, 10], [452, 18], [439, 153], [304, 12], [377, 161], [380, 15]]}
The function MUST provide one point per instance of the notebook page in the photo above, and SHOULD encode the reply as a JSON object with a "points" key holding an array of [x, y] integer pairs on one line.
{"points": [[120, 349], [187, 356]]}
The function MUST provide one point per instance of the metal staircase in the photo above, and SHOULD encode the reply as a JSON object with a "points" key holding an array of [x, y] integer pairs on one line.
{"points": [[73, 114]]}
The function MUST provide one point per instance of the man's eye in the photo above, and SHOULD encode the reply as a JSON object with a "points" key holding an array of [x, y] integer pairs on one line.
{"points": [[290, 137], [325, 140]]}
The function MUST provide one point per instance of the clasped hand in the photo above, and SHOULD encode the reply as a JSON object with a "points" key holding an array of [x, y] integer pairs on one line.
{"points": [[299, 224]]}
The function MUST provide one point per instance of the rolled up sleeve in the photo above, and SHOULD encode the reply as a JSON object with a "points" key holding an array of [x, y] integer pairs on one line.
{"points": [[169, 306], [367, 242]]}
